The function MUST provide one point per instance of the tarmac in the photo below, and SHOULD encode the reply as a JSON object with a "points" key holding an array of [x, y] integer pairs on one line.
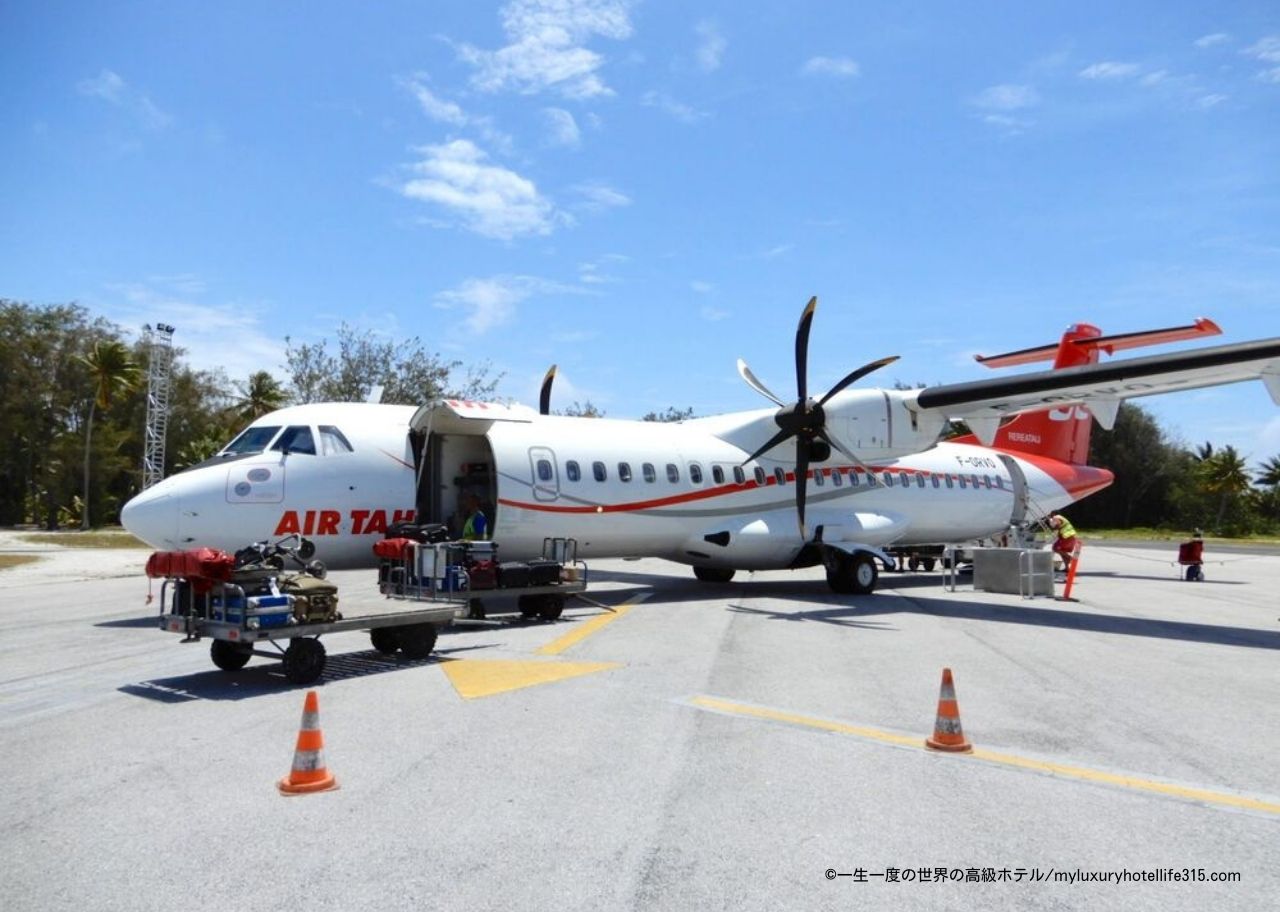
{"points": [[752, 745]]}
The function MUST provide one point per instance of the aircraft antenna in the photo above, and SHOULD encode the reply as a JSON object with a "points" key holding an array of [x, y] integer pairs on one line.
{"points": [[160, 342]]}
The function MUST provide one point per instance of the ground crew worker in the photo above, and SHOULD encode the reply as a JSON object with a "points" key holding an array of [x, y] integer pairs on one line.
{"points": [[1067, 543], [476, 528]]}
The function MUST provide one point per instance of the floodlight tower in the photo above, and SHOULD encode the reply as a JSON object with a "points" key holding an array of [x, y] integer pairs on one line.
{"points": [[160, 341]]}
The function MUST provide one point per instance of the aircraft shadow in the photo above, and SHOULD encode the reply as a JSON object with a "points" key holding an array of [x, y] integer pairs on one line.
{"points": [[150, 620], [1033, 616], [260, 678], [1209, 581]]}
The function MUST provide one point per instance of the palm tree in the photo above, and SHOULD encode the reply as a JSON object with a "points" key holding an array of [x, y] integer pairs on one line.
{"points": [[263, 393], [1224, 473], [1270, 475], [113, 372]]}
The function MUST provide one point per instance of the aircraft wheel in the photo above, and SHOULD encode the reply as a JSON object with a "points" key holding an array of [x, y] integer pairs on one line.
{"points": [[229, 656], [863, 574], [928, 563], [713, 574], [551, 608], [529, 606], [304, 660], [385, 639], [838, 577], [913, 564], [417, 640]]}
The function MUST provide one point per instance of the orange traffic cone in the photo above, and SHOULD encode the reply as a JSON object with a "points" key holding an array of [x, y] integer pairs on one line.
{"points": [[947, 733], [309, 773]]}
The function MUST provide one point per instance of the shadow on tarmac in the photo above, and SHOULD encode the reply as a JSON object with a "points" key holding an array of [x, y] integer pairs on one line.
{"points": [[861, 610], [256, 680], [150, 620]]}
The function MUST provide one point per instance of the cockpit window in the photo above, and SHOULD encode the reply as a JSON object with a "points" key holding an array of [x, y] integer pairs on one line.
{"points": [[333, 441], [296, 439], [251, 440]]}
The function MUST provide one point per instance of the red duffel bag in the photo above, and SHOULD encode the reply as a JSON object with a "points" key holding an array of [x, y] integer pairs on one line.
{"points": [[194, 564], [394, 548]]}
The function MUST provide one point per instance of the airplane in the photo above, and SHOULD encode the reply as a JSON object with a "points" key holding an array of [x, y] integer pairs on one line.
{"points": [[834, 480]]}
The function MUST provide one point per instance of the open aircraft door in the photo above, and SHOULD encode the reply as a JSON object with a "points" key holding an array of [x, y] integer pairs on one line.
{"points": [[1020, 494]]}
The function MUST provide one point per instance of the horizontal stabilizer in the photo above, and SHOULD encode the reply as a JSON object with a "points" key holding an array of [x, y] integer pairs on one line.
{"points": [[1108, 344]]}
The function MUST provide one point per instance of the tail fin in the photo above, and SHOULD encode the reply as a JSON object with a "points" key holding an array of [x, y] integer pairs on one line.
{"points": [[1063, 433]]}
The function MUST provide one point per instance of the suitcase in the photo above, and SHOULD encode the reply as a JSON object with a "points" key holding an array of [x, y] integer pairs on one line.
{"points": [[544, 572], [480, 550], [484, 574], [423, 533], [394, 548], [513, 575]]}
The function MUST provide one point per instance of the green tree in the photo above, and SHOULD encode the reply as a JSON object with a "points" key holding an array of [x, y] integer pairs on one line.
{"points": [[408, 374], [586, 409], [1224, 473], [262, 393], [1146, 465], [1270, 475], [113, 373], [670, 415]]}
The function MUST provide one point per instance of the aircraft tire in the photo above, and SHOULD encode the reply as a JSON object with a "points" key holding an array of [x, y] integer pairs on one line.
{"points": [[304, 660], [229, 656], [928, 563], [417, 640], [853, 574], [385, 639], [713, 574], [529, 606]]}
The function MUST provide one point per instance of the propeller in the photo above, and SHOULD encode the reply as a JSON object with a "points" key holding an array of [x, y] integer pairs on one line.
{"points": [[544, 397], [806, 421]]}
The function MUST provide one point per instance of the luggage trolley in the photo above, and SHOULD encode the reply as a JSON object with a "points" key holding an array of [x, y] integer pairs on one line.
{"points": [[204, 596]]}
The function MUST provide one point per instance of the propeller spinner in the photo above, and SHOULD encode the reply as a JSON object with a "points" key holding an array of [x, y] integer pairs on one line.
{"points": [[806, 421]]}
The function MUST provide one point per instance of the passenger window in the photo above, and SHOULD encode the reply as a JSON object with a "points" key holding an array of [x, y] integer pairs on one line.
{"points": [[296, 440], [760, 476], [544, 470], [599, 471], [717, 474], [872, 480], [695, 473], [905, 479], [837, 478], [673, 472], [974, 479], [963, 482], [986, 481], [919, 481], [887, 479], [934, 479], [572, 470], [739, 475], [779, 476], [950, 483], [624, 471], [817, 478], [650, 474], [1000, 482], [332, 441]]}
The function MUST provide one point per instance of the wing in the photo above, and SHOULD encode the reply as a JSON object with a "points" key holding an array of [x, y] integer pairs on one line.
{"points": [[1102, 387]]}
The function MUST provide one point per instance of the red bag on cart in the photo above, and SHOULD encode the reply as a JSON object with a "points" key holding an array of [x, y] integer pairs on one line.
{"points": [[194, 564], [394, 548]]}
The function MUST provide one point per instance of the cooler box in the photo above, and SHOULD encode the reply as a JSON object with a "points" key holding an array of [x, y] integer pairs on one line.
{"points": [[269, 610], [513, 575]]}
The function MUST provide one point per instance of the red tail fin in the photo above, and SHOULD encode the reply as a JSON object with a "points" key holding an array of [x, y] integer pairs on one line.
{"points": [[1063, 433]]}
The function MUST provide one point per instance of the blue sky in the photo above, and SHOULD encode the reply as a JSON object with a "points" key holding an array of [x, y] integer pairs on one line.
{"points": [[644, 191]]}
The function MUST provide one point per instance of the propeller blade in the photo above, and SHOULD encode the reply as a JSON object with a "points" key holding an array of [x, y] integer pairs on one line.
{"points": [[755, 384], [823, 434], [802, 349], [773, 442], [544, 397], [802, 482], [856, 376]]}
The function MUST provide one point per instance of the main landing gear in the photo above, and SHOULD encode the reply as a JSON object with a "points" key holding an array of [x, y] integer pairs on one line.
{"points": [[851, 574], [713, 574]]}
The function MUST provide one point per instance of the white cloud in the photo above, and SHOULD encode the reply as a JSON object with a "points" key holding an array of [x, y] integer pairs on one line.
{"points": [[492, 302], [1006, 98], [711, 47], [1211, 100], [490, 200], [203, 327], [1109, 69], [713, 314], [597, 197], [434, 107], [777, 251], [1268, 51], [680, 111], [563, 128], [1155, 78], [702, 287], [1211, 40], [831, 66], [546, 47], [111, 88]]}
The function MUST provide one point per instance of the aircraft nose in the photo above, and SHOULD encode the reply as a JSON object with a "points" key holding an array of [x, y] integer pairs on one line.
{"points": [[153, 517]]}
